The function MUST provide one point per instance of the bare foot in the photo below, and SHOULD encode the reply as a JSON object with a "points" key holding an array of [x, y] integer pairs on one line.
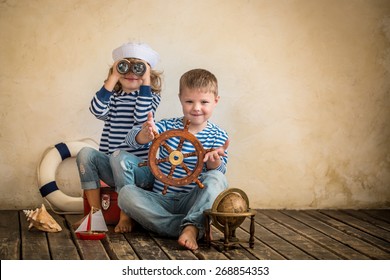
{"points": [[188, 237], [125, 224]]}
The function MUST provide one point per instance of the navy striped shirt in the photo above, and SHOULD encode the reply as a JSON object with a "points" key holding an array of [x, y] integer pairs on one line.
{"points": [[211, 136], [121, 112]]}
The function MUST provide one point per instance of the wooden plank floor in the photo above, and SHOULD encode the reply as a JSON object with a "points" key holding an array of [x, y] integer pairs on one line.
{"points": [[279, 234]]}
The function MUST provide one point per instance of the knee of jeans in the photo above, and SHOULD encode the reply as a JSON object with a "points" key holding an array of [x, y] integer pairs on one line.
{"points": [[124, 160], [117, 154], [85, 155], [116, 158], [215, 179]]}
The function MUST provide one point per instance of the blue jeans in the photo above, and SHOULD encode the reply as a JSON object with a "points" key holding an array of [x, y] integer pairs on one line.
{"points": [[93, 166], [168, 214], [127, 172], [115, 170]]}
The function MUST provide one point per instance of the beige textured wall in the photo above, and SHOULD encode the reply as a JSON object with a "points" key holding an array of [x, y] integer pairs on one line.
{"points": [[304, 86]]}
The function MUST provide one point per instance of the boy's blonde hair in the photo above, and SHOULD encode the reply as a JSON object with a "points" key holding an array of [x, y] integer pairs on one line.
{"points": [[155, 78], [201, 79]]}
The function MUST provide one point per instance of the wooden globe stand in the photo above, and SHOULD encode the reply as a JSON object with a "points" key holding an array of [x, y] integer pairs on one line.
{"points": [[230, 238], [223, 222]]}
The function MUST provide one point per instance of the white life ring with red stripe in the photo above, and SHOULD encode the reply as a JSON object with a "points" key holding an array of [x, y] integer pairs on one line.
{"points": [[47, 168]]}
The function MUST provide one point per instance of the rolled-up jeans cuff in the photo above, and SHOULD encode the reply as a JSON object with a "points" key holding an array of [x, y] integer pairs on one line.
{"points": [[91, 185]]}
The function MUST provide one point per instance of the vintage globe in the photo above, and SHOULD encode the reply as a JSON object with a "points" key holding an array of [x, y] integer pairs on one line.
{"points": [[231, 201]]}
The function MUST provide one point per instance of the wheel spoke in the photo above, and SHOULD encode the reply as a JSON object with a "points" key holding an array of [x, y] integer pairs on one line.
{"points": [[185, 167], [199, 183], [164, 192], [187, 125], [173, 167], [161, 160], [192, 154], [180, 146], [165, 145]]}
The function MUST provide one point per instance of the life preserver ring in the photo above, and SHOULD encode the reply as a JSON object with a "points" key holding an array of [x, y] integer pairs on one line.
{"points": [[47, 170]]}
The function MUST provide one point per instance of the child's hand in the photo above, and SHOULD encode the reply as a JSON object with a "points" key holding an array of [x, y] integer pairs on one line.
{"points": [[213, 158], [146, 76], [113, 79], [146, 134]]}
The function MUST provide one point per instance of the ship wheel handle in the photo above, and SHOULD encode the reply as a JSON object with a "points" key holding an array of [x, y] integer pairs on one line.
{"points": [[176, 158]]}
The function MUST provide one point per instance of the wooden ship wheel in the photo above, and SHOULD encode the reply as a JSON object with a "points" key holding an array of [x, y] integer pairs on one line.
{"points": [[176, 158]]}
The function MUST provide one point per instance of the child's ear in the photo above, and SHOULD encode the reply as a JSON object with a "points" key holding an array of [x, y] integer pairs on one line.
{"points": [[217, 99]]}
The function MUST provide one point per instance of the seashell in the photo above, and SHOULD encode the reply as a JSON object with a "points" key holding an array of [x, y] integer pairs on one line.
{"points": [[42, 220]]}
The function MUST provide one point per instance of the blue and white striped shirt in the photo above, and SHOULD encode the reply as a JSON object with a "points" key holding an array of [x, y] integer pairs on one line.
{"points": [[121, 112], [211, 136]]}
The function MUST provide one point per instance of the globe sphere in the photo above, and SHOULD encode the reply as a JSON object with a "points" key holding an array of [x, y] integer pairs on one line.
{"points": [[232, 203]]}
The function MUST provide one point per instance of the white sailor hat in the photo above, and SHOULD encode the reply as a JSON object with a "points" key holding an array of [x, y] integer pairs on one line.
{"points": [[136, 50]]}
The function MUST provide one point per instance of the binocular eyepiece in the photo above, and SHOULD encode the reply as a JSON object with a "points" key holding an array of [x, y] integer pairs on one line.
{"points": [[124, 66]]}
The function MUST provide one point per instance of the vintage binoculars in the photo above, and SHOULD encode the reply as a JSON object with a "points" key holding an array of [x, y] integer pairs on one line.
{"points": [[124, 66]]}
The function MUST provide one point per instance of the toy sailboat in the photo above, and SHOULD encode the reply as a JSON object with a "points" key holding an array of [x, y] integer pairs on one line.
{"points": [[93, 226]]}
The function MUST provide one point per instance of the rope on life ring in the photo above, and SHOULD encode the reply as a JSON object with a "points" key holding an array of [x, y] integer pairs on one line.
{"points": [[47, 168]]}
